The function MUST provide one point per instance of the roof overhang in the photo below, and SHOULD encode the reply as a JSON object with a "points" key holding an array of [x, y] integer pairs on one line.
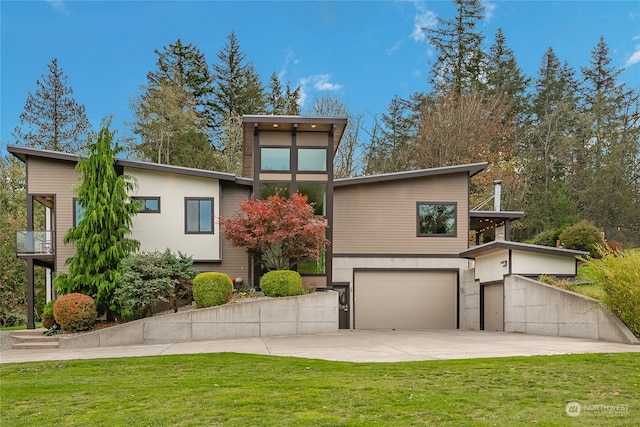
{"points": [[334, 126], [483, 219], [24, 152], [498, 245], [470, 169]]}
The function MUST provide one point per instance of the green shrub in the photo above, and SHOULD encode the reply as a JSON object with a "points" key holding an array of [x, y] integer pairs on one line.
{"points": [[281, 283], [210, 289], [47, 318], [619, 275], [75, 312], [150, 277], [583, 236], [14, 318]]}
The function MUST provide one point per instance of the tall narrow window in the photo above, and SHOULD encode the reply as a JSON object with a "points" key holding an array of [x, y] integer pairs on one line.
{"points": [[78, 212], [316, 195], [436, 219], [198, 215]]}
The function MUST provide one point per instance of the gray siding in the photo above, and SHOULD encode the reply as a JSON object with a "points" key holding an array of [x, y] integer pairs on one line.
{"points": [[380, 217], [46, 176]]}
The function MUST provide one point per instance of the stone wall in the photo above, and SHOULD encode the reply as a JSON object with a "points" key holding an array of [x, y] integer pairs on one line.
{"points": [[305, 314]]}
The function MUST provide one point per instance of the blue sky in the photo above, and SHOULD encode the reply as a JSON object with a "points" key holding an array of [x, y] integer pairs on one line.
{"points": [[363, 52]]}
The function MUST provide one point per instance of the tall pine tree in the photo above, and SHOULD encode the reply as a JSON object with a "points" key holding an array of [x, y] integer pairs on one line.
{"points": [[101, 236], [458, 43], [52, 119]]}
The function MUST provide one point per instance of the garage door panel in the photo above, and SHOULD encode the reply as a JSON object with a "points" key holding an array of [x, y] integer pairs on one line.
{"points": [[405, 300]]}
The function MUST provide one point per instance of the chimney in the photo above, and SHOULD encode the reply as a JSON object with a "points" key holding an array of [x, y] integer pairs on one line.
{"points": [[497, 185]]}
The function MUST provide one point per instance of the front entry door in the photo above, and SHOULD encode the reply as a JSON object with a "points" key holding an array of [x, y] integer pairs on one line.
{"points": [[343, 305]]}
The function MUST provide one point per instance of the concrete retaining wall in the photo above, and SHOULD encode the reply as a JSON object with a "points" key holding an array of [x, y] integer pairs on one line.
{"points": [[305, 314], [532, 307]]}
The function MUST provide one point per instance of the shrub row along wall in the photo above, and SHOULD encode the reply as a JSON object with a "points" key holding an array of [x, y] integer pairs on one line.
{"points": [[305, 314], [532, 307]]}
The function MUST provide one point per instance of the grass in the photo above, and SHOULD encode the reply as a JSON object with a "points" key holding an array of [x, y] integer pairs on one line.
{"points": [[593, 290], [19, 327], [251, 390]]}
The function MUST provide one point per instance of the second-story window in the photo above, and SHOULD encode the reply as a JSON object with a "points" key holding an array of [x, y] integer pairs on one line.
{"points": [[312, 159], [275, 159]]}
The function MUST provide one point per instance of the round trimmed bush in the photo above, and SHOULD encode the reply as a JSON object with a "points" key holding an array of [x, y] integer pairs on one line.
{"points": [[281, 283], [583, 236], [47, 318], [75, 312], [211, 289]]}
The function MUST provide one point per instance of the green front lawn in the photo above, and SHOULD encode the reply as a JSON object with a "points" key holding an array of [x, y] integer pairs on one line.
{"points": [[251, 390]]}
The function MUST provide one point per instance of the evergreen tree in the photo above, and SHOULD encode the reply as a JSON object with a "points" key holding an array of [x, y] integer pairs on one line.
{"points": [[504, 77], [389, 151], [52, 119], [237, 88], [186, 66], [292, 101], [275, 100], [549, 148], [100, 237], [607, 173], [458, 43]]}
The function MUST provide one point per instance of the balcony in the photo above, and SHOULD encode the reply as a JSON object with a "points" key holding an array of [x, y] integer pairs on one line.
{"points": [[39, 245]]}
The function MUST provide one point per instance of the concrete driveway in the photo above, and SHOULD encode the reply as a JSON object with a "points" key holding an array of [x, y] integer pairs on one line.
{"points": [[353, 346]]}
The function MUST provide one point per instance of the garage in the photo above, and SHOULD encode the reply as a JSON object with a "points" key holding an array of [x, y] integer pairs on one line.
{"points": [[405, 299]]}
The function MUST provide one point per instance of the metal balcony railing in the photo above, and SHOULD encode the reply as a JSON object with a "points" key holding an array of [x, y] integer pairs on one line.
{"points": [[35, 242]]}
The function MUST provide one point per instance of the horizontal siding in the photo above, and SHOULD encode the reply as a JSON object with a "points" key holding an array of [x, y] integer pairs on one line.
{"points": [[235, 260], [380, 218], [59, 179]]}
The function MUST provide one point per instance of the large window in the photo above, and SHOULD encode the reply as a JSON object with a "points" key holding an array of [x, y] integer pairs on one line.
{"points": [[148, 204], [436, 219], [198, 215], [269, 189], [275, 159], [312, 159], [316, 195]]}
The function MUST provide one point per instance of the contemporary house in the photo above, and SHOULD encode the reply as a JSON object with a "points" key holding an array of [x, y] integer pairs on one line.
{"points": [[407, 250]]}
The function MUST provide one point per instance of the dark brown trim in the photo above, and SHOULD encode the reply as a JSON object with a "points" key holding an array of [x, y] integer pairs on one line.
{"points": [[145, 198], [524, 247], [471, 169], [213, 220], [455, 215]]}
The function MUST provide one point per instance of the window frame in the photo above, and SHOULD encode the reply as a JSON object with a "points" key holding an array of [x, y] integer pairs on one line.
{"points": [[313, 149], [455, 219], [186, 216], [145, 198], [289, 151]]}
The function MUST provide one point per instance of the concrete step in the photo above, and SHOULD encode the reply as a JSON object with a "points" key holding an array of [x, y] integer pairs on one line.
{"points": [[33, 339], [35, 345]]}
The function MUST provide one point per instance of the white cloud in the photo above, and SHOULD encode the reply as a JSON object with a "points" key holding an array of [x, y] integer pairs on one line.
{"points": [[635, 56], [58, 5], [318, 83], [489, 8], [424, 19]]}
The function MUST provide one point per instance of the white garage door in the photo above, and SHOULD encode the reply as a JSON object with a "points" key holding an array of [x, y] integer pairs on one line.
{"points": [[405, 300]]}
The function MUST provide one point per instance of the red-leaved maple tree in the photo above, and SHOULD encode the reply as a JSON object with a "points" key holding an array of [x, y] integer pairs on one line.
{"points": [[287, 228]]}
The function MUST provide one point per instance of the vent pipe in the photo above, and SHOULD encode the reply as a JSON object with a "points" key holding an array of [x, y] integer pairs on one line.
{"points": [[497, 186]]}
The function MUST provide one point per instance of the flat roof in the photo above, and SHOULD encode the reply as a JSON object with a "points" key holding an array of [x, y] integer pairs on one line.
{"points": [[472, 169], [525, 247]]}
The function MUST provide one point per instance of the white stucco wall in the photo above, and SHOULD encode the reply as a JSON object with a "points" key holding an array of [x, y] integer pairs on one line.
{"points": [[167, 229], [529, 263], [492, 266]]}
